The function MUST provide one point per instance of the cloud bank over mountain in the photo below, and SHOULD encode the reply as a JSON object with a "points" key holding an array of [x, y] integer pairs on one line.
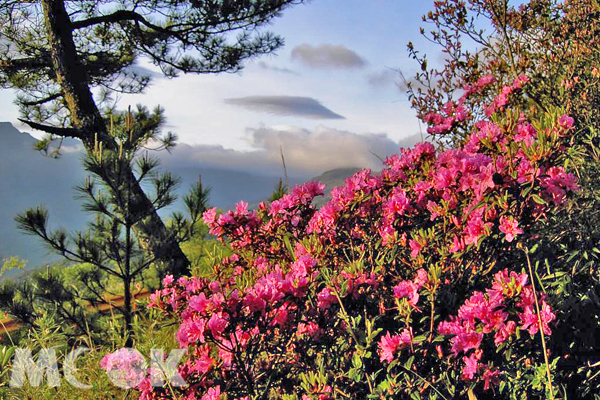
{"points": [[307, 152], [28, 179]]}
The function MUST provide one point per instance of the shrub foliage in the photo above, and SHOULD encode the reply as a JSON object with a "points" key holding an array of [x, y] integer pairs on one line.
{"points": [[417, 282]]}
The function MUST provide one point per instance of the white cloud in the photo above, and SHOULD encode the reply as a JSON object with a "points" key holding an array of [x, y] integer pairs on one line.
{"points": [[328, 56], [268, 67], [383, 78], [306, 107], [307, 153]]}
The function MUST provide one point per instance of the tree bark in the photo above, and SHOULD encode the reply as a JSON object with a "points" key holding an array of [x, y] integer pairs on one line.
{"points": [[86, 117]]}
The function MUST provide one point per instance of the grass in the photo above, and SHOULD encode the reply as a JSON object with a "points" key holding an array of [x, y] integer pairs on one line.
{"points": [[150, 331]]}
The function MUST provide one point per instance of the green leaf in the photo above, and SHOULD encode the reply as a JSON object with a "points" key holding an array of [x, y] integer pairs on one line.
{"points": [[438, 338], [409, 362], [538, 199], [419, 339], [288, 244]]}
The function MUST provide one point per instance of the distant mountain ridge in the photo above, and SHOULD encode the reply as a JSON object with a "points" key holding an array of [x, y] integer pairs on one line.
{"points": [[29, 179], [338, 176], [331, 179]]}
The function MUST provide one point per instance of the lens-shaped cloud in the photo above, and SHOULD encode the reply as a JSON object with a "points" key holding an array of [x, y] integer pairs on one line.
{"points": [[296, 106], [327, 56]]}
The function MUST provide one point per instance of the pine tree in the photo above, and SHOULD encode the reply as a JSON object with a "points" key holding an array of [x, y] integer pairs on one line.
{"points": [[114, 259], [57, 53]]}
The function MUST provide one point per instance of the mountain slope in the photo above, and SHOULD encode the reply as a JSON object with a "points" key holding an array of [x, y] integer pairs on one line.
{"points": [[331, 179], [29, 179], [336, 177]]}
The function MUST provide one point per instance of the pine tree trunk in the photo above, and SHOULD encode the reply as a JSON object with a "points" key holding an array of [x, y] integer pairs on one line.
{"points": [[128, 312], [86, 117]]}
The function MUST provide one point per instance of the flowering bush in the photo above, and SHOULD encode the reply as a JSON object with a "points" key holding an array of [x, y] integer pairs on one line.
{"points": [[411, 282], [556, 44]]}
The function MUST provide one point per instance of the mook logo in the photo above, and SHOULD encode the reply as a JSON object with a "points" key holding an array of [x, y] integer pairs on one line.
{"points": [[126, 368]]}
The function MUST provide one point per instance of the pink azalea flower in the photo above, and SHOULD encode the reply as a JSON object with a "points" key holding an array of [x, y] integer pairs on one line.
{"points": [[466, 341], [506, 285], [510, 227], [398, 204], [241, 208], [213, 393], [199, 303], [281, 315], [566, 122], [476, 227], [168, 280], [490, 378], [422, 278], [526, 133], [125, 366], [486, 80], [326, 298], [202, 363], [191, 331], [311, 329], [452, 327], [557, 183], [407, 289], [388, 345], [458, 244], [217, 324], [210, 215], [471, 366], [415, 248], [505, 332]]}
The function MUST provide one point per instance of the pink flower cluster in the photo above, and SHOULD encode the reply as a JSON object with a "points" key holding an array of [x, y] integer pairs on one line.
{"points": [[243, 227], [361, 184], [481, 84], [491, 313], [389, 345], [502, 99], [301, 278], [510, 227], [208, 313], [453, 113], [558, 184], [239, 221], [410, 289]]}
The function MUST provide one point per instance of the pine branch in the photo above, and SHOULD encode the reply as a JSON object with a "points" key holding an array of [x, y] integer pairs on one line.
{"points": [[41, 101], [25, 63], [54, 130], [120, 16]]}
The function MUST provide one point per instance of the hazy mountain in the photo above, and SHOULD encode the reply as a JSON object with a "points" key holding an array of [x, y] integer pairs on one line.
{"points": [[331, 179], [29, 179], [336, 177]]}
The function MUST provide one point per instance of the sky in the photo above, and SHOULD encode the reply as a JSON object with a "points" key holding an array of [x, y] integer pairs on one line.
{"points": [[329, 98]]}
